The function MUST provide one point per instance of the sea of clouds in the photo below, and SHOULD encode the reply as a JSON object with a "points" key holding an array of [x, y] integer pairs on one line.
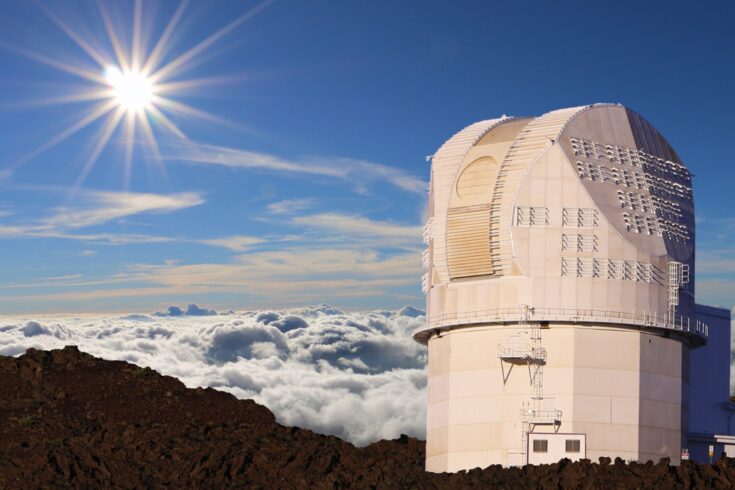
{"points": [[359, 376]]}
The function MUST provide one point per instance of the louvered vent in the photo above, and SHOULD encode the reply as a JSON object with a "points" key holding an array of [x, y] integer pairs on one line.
{"points": [[468, 220]]}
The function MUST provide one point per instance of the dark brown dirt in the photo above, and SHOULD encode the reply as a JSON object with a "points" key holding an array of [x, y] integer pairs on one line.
{"points": [[69, 420]]}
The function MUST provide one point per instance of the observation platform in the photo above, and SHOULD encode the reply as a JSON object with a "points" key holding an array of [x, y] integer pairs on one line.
{"points": [[544, 416], [521, 354], [696, 330]]}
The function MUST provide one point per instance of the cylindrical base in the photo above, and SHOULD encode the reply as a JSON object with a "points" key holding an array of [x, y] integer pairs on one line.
{"points": [[619, 389]]}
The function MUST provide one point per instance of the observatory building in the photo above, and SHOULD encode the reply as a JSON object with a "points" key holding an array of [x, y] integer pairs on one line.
{"points": [[560, 296]]}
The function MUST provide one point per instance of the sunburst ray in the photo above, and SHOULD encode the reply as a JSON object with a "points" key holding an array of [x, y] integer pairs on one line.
{"points": [[171, 67], [129, 139], [185, 86], [110, 125], [99, 57], [85, 96], [59, 65], [92, 116], [136, 54], [160, 48], [122, 59], [181, 108], [145, 125], [161, 117], [132, 91]]}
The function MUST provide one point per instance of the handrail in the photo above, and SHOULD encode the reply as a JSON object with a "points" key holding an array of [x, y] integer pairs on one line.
{"points": [[517, 313]]}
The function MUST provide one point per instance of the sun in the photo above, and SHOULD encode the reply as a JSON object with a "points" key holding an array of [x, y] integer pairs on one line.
{"points": [[132, 90]]}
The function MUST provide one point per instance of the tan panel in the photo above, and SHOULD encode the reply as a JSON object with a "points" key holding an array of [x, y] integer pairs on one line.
{"points": [[468, 220], [475, 183], [505, 132], [468, 242], [444, 169]]}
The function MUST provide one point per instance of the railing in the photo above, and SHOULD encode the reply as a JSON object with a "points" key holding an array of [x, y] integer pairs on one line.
{"points": [[541, 416], [521, 352], [514, 314]]}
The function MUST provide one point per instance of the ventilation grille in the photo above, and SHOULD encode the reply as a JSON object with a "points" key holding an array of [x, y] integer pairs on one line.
{"points": [[468, 242]]}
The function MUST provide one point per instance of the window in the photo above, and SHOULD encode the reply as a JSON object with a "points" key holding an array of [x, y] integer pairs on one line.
{"points": [[579, 217], [531, 216], [579, 242], [572, 445], [541, 445], [567, 266]]}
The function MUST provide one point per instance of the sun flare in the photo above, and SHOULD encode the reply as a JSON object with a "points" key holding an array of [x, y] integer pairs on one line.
{"points": [[132, 90], [135, 88]]}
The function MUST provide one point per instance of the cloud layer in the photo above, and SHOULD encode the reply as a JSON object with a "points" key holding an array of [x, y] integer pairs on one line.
{"points": [[359, 376]]}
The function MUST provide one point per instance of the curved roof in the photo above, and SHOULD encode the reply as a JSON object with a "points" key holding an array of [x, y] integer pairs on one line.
{"points": [[599, 173], [531, 138]]}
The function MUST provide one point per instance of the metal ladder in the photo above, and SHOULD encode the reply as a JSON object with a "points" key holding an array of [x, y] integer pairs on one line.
{"points": [[534, 355]]}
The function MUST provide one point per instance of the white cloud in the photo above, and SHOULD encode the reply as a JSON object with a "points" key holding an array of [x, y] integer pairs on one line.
{"points": [[237, 243], [358, 172], [104, 238], [98, 208], [360, 226], [64, 278], [103, 207], [288, 206], [356, 375]]}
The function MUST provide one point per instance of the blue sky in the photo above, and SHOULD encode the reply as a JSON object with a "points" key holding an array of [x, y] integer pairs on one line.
{"points": [[305, 182]]}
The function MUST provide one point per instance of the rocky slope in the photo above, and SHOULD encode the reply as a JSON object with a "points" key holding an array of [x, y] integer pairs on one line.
{"points": [[70, 420]]}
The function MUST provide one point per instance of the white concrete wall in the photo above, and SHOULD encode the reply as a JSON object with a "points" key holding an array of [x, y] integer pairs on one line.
{"points": [[611, 384]]}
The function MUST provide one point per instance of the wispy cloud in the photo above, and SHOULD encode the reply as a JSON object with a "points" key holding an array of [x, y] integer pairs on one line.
{"points": [[359, 172], [238, 243], [289, 206], [64, 278], [33, 231], [361, 227], [99, 208], [103, 207]]}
